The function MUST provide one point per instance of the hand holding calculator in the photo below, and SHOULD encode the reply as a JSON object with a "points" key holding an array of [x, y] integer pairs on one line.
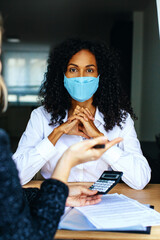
{"points": [[106, 182]]}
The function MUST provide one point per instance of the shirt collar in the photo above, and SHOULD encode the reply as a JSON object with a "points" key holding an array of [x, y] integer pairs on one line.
{"points": [[99, 116], [66, 117]]}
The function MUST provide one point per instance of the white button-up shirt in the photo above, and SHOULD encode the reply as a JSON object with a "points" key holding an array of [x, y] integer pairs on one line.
{"points": [[36, 152]]}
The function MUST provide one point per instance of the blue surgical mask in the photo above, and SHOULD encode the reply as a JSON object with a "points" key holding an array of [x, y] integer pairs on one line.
{"points": [[81, 88]]}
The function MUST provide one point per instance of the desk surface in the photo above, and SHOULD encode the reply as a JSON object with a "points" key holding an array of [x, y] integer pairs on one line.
{"points": [[150, 195]]}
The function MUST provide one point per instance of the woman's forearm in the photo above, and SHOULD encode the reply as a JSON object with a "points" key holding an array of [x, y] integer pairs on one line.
{"points": [[55, 135]]}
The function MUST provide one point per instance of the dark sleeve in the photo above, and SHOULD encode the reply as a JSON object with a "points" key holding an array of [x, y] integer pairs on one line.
{"points": [[11, 194], [48, 206], [15, 218], [30, 194], [31, 217]]}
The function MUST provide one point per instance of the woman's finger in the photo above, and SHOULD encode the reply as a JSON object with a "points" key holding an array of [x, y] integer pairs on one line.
{"points": [[83, 115], [82, 134], [72, 123], [69, 126], [87, 111], [93, 201], [81, 112], [76, 111], [93, 197], [81, 119], [70, 119], [77, 107], [87, 191]]}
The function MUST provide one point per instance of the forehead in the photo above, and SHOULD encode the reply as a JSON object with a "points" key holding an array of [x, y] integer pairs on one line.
{"points": [[84, 56]]}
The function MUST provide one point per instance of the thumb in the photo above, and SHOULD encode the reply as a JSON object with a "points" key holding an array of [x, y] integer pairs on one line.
{"points": [[82, 134], [87, 191]]}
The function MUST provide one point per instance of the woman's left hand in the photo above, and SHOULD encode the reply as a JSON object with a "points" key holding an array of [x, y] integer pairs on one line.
{"points": [[81, 196]]}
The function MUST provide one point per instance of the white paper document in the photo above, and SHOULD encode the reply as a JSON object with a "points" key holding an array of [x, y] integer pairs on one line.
{"points": [[118, 211]]}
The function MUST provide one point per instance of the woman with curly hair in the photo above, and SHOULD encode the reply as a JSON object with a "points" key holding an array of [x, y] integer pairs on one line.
{"points": [[81, 99]]}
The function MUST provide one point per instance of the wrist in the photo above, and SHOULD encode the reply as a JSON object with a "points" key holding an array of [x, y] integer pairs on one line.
{"points": [[55, 135], [58, 130], [68, 160], [58, 173]]}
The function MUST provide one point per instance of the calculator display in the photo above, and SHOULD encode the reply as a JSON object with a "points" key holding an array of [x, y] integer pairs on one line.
{"points": [[110, 176]]}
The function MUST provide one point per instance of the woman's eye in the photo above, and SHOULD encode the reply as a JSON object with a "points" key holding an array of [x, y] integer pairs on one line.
{"points": [[90, 70], [72, 70]]}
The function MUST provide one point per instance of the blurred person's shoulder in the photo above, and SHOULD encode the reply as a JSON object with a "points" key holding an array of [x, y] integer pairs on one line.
{"points": [[4, 143], [4, 138]]}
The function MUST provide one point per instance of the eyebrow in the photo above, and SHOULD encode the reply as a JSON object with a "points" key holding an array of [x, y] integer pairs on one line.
{"points": [[73, 64], [90, 65]]}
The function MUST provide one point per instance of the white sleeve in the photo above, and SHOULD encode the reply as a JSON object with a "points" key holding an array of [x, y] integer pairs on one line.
{"points": [[128, 158], [33, 149]]}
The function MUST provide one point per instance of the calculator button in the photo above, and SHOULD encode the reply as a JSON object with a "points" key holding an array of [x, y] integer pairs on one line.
{"points": [[102, 185], [110, 181]]}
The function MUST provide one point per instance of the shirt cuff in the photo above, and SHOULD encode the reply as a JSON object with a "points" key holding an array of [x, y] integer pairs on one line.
{"points": [[112, 155], [46, 149]]}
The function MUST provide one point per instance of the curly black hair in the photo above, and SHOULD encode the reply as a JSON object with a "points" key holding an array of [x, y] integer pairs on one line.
{"points": [[109, 98]]}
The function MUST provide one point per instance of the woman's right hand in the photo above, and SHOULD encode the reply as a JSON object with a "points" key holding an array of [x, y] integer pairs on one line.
{"points": [[80, 153]]}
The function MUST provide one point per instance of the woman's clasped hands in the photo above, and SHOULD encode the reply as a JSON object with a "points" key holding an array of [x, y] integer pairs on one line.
{"points": [[81, 123]]}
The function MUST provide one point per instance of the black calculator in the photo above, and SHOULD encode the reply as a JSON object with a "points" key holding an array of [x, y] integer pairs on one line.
{"points": [[106, 182]]}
